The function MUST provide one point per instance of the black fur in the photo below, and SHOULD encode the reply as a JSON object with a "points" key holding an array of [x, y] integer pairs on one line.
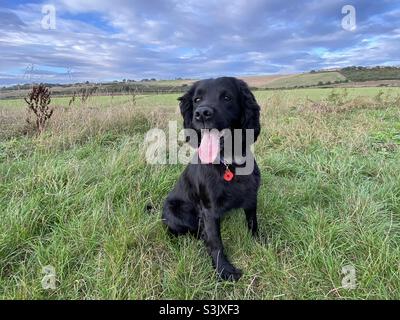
{"points": [[201, 196]]}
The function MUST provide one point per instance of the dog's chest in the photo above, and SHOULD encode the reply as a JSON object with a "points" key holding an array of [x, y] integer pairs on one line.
{"points": [[214, 191]]}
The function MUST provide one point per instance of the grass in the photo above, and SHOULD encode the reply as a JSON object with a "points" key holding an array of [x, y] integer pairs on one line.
{"points": [[330, 197]]}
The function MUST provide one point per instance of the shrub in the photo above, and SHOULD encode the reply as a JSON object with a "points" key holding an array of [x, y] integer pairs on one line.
{"points": [[38, 101]]}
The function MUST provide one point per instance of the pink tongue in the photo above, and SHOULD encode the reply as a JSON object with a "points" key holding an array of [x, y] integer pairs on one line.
{"points": [[209, 147]]}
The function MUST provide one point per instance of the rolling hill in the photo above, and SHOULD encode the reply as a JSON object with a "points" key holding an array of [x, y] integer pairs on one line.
{"points": [[346, 77]]}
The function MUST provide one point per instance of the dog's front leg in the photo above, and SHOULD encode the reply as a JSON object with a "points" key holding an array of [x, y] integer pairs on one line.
{"points": [[211, 234]]}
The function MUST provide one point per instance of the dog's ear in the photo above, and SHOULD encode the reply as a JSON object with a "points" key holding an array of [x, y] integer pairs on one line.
{"points": [[186, 107], [250, 109]]}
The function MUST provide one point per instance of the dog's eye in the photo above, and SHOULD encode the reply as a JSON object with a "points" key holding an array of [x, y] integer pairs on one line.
{"points": [[227, 98], [197, 99]]}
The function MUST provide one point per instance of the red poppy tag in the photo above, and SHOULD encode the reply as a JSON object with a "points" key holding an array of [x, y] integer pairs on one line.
{"points": [[228, 175]]}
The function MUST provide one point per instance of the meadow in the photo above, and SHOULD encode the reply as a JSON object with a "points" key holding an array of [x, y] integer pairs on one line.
{"points": [[81, 198]]}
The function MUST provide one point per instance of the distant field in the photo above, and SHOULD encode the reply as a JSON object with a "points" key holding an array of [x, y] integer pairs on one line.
{"points": [[171, 83], [347, 77], [77, 199], [262, 81], [169, 100], [306, 79], [110, 89]]}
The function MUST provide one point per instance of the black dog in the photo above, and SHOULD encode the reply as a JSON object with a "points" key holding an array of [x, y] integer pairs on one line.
{"points": [[205, 192]]}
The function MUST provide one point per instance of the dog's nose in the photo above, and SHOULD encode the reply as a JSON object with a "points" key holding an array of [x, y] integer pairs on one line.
{"points": [[203, 113]]}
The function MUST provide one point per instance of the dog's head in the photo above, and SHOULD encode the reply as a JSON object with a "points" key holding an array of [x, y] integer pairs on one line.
{"points": [[222, 103]]}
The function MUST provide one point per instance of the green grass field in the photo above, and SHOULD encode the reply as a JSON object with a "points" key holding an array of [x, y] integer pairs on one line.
{"points": [[75, 199]]}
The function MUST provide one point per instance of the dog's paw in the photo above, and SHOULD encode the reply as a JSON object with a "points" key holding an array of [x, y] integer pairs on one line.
{"points": [[254, 233], [229, 273]]}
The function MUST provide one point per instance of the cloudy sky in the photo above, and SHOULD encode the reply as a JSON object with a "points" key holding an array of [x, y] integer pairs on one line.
{"points": [[101, 40]]}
